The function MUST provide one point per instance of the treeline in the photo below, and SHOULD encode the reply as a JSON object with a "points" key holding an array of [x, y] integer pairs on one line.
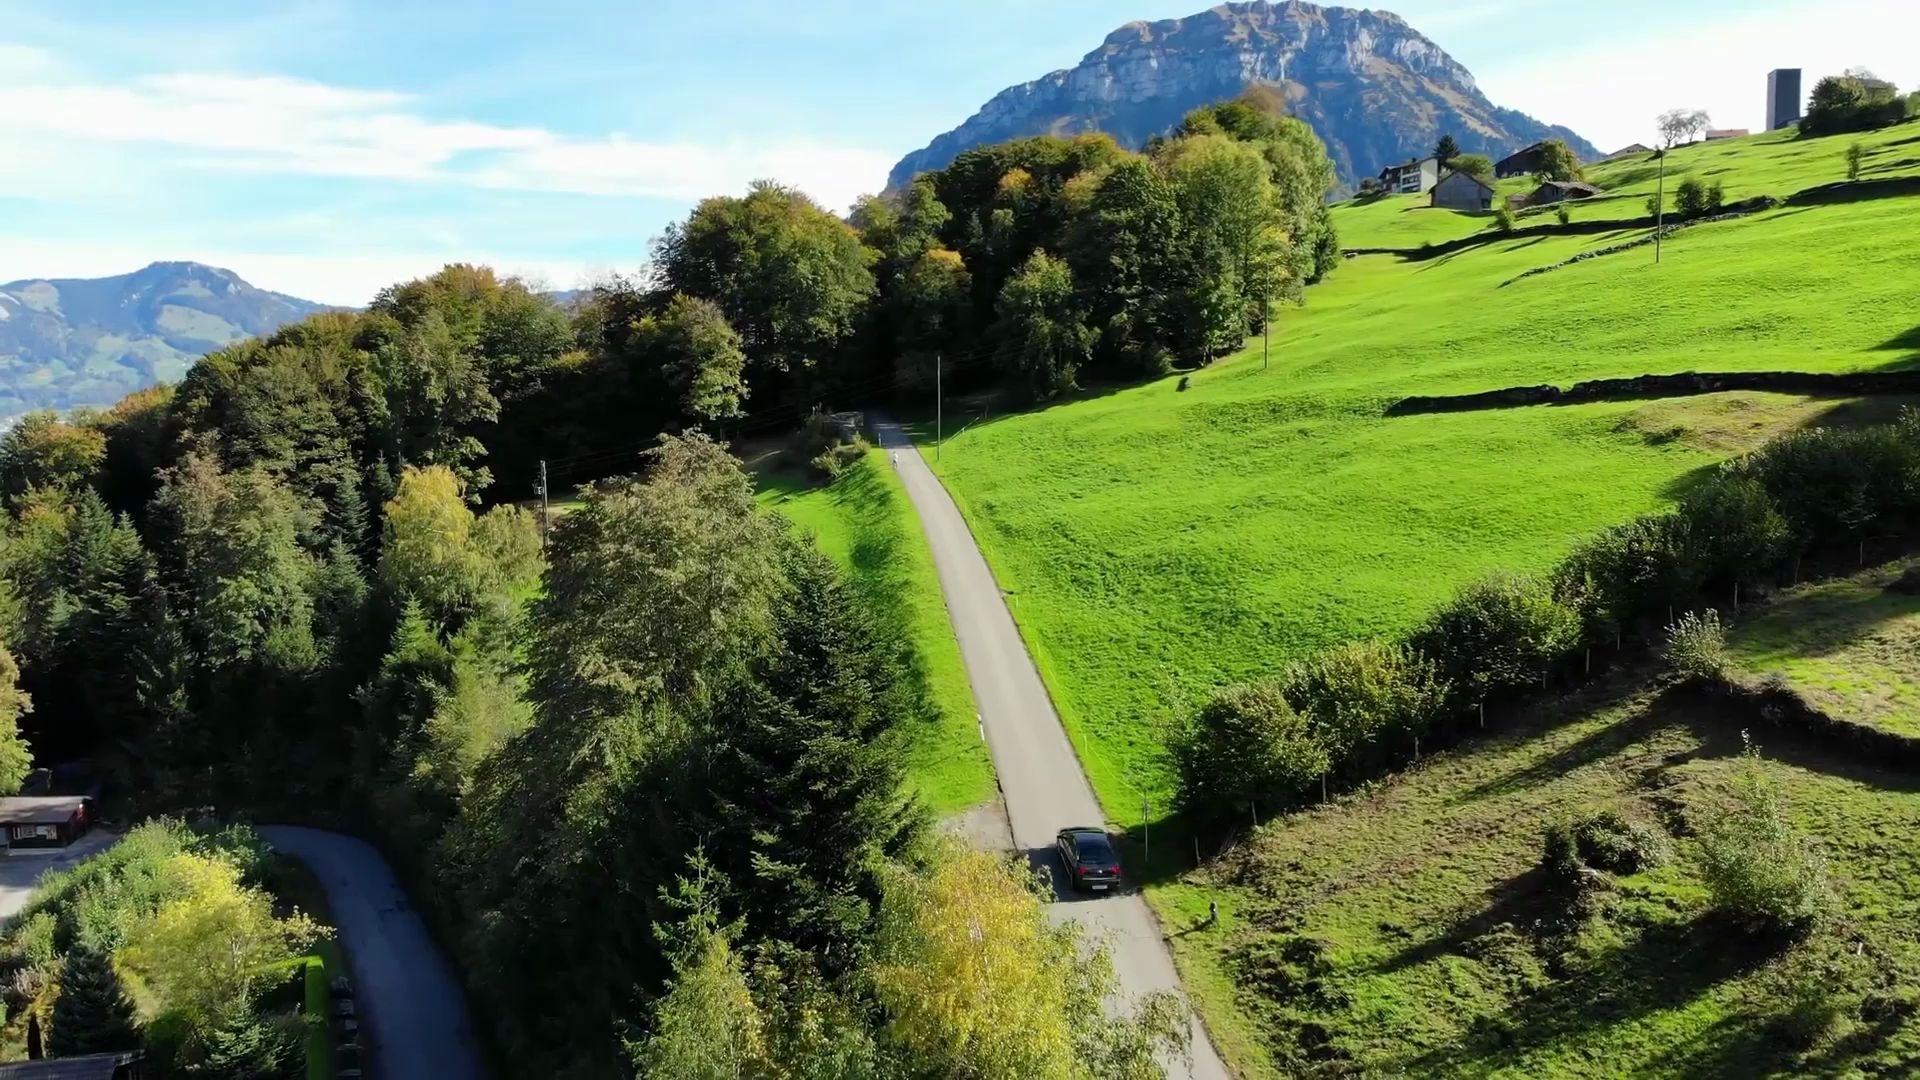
{"points": [[1352, 712], [1856, 101]]}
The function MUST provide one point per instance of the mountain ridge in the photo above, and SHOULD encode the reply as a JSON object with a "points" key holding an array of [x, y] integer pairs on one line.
{"points": [[67, 342], [1376, 90]]}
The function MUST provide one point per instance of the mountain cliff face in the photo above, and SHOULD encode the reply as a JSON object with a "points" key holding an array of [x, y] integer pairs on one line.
{"points": [[91, 341], [1375, 90]]}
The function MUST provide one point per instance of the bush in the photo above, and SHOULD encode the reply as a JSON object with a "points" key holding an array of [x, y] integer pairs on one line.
{"points": [[1499, 636], [1758, 867], [835, 459], [1840, 484], [1697, 645], [1503, 218], [1856, 154], [1653, 205], [1365, 700], [1691, 198], [1733, 531], [1245, 748], [1610, 842], [1563, 214]]}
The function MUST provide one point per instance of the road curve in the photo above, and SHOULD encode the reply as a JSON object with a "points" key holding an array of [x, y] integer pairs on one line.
{"points": [[1039, 774], [412, 1013]]}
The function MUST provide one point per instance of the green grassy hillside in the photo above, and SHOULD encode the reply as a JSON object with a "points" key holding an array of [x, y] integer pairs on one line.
{"points": [[1399, 931], [864, 522], [1774, 163], [1850, 647], [1159, 543]]}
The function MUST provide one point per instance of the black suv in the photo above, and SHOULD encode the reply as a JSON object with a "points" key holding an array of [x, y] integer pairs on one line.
{"points": [[1089, 859]]}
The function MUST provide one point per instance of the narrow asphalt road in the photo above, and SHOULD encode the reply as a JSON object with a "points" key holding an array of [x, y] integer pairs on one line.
{"points": [[412, 1013], [1039, 773]]}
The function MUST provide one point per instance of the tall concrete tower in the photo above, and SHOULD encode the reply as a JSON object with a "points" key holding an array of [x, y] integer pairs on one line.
{"points": [[1783, 97]]}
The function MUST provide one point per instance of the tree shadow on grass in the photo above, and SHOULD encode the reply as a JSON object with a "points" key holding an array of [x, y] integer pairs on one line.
{"points": [[1596, 746], [1907, 341], [1718, 722], [1665, 967]]}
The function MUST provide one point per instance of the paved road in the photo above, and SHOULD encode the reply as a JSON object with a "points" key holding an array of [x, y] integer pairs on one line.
{"points": [[22, 868], [1039, 772], [412, 1013]]}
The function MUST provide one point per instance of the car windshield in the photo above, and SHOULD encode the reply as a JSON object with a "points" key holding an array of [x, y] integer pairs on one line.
{"points": [[1093, 848]]}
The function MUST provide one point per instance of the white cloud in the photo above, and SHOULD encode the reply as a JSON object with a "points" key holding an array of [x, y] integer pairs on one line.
{"points": [[272, 124], [1611, 92]]}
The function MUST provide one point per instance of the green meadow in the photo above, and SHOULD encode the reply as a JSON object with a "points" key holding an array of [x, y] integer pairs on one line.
{"points": [[1397, 931], [864, 522], [1775, 163], [1851, 647], [1158, 542]]}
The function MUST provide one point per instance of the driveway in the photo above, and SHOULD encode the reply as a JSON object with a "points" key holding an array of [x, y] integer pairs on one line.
{"points": [[412, 1011], [22, 868], [1039, 773]]}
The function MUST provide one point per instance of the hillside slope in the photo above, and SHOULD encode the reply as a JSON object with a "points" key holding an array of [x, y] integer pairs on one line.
{"points": [[90, 341], [1159, 542], [1374, 89]]}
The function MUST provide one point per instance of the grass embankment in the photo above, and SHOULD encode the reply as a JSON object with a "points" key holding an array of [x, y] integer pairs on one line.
{"points": [[1395, 931], [1775, 163], [1160, 543], [1849, 647], [864, 522], [295, 887]]}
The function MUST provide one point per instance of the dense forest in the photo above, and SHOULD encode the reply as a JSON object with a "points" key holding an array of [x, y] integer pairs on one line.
{"points": [[645, 771]]}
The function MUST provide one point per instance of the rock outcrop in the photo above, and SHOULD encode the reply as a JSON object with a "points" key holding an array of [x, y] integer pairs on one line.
{"points": [[1373, 87]]}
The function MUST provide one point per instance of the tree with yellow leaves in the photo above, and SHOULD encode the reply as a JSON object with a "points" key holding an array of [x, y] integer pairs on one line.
{"points": [[977, 982]]}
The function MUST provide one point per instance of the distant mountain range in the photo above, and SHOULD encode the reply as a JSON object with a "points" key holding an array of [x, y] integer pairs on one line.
{"points": [[1373, 87], [91, 341]]}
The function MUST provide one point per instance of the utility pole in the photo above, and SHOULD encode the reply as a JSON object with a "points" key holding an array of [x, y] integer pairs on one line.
{"points": [[1660, 210], [541, 487], [1266, 320], [939, 404]]}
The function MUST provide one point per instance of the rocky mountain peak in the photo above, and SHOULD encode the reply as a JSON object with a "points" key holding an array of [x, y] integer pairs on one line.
{"points": [[1376, 89]]}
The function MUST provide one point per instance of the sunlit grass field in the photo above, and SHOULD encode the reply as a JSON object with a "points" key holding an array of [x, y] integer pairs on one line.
{"points": [[1158, 543], [864, 522], [1850, 646], [1773, 163], [1419, 898]]}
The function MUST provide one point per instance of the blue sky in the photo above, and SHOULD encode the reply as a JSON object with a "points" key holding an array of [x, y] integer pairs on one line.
{"points": [[326, 147]]}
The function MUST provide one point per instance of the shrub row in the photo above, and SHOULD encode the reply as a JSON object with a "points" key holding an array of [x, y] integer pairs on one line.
{"points": [[1357, 709]]}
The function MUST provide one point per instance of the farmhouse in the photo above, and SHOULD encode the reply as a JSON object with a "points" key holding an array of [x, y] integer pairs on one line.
{"points": [[1554, 191], [1521, 163], [1459, 191], [1416, 177], [44, 820], [1717, 134], [1631, 148]]}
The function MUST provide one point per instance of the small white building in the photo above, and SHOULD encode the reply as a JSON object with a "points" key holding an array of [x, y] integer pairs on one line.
{"points": [[1416, 177]]}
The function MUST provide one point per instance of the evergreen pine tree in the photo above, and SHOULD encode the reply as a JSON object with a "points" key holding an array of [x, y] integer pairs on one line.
{"points": [[92, 1014], [808, 769]]}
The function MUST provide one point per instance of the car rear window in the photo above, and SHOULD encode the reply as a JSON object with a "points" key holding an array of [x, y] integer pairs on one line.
{"points": [[1093, 848]]}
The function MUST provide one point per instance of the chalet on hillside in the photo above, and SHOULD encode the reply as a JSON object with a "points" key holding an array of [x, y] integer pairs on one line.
{"points": [[1522, 162], [1717, 134], [1460, 191], [1415, 177], [1554, 191], [1631, 148]]}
